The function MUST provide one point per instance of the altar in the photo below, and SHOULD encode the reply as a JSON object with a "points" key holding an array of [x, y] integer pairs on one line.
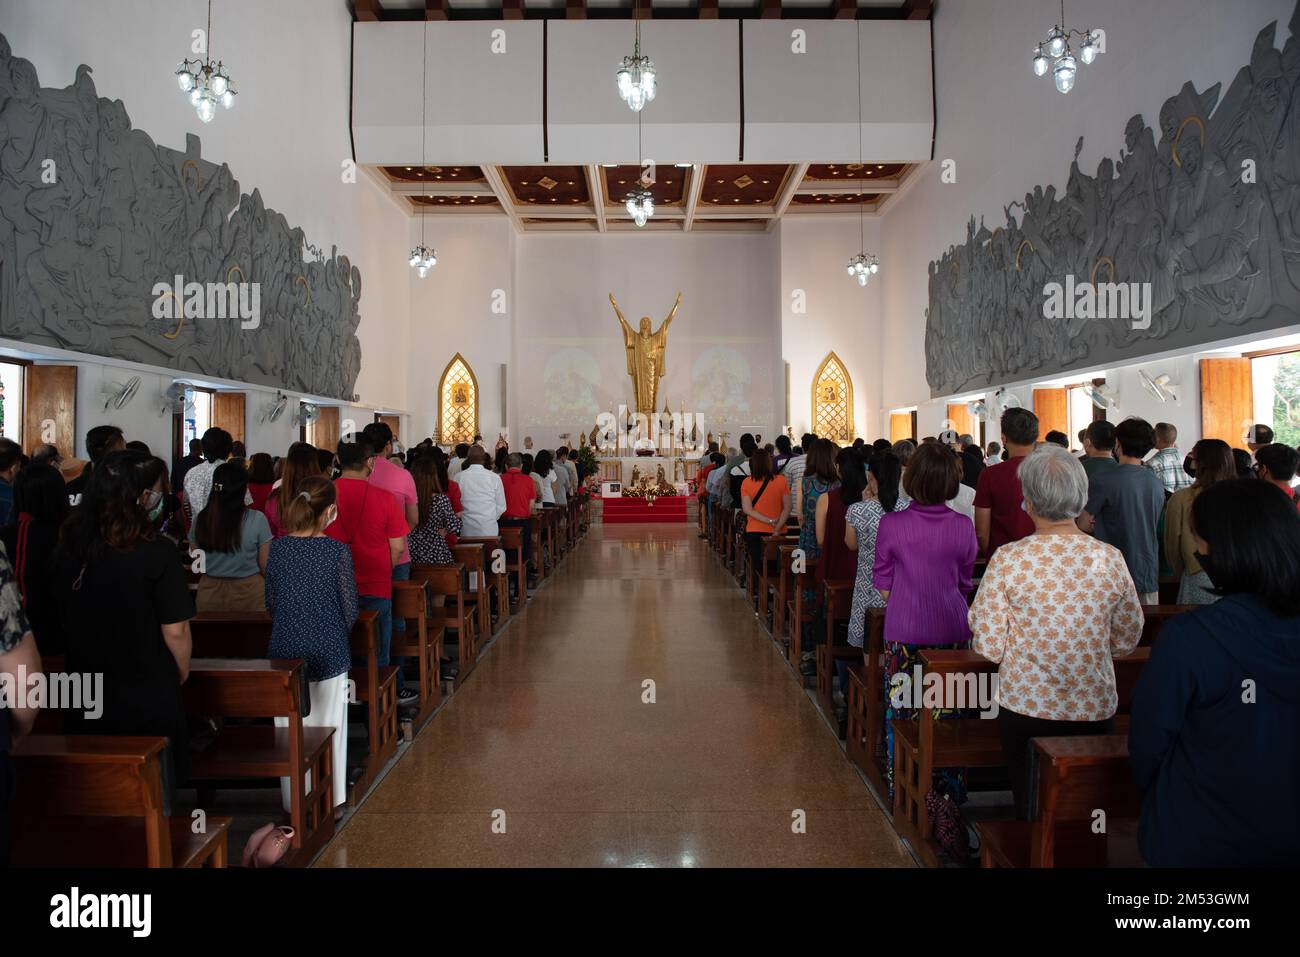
{"points": [[677, 471]]}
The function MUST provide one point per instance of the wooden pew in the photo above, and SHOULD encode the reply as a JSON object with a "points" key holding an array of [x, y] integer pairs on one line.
{"points": [[421, 641], [475, 555], [248, 688], [1168, 588], [921, 746], [865, 731], [1155, 617], [455, 615], [1075, 777], [769, 575], [837, 597], [248, 635], [799, 612], [101, 801], [512, 540]]}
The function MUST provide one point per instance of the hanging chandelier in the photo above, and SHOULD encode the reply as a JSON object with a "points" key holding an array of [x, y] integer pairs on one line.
{"points": [[636, 75], [1055, 54], [206, 83], [423, 257], [640, 205], [862, 266]]}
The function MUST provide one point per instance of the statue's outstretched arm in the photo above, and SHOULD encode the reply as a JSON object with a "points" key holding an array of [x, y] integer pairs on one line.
{"points": [[617, 311], [673, 312]]}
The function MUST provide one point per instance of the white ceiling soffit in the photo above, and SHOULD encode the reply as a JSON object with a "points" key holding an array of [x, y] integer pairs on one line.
{"points": [[486, 92], [801, 105]]}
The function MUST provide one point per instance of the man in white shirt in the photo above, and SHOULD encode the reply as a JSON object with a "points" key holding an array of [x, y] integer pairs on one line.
{"points": [[564, 457], [562, 479], [457, 460], [481, 494], [217, 444]]}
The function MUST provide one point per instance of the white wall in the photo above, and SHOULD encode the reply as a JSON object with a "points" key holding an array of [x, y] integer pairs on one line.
{"points": [[287, 136], [1008, 131], [839, 314], [724, 346]]}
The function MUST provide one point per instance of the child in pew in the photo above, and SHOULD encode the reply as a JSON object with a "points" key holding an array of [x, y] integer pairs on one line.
{"points": [[235, 540], [311, 594]]}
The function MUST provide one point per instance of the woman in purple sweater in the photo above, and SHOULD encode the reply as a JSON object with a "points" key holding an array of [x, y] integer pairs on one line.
{"points": [[925, 555]]}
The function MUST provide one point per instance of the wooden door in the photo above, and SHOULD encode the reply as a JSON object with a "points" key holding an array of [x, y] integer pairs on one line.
{"points": [[325, 433], [960, 418], [900, 426], [49, 408], [1227, 400], [394, 422], [1052, 406], [228, 413]]}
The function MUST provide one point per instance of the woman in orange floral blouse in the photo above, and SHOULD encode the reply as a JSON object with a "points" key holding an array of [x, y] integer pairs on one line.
{"points": [[1053, 610]]}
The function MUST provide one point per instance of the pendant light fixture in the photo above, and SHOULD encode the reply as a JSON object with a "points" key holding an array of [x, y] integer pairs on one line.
{"points": [[862, 266], [640, 201], [636, 75], [206, 83], [423, 257], [1054, 53]]}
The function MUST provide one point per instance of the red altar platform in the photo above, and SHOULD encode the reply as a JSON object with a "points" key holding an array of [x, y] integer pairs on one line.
{"points": [[633, 511]]}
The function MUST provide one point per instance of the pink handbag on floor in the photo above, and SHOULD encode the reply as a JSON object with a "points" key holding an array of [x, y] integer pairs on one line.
{"points": [[268, 845]]}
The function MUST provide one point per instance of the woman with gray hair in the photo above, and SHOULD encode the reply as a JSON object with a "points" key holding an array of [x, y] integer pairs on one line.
{"points": [[1053, 609]]}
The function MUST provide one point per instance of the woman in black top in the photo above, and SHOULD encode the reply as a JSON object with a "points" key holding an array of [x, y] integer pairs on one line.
{"points": [[40, 506], [124, 608]]}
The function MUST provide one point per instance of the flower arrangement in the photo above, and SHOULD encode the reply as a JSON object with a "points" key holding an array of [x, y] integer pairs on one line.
{"points": [[649, 489]]}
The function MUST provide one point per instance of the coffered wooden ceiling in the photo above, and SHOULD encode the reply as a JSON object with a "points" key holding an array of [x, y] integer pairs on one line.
{"points": [[391, 10], [737, 197]]}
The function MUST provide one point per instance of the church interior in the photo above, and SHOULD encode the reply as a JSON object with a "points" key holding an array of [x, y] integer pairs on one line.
{"points": [[649, 433]]}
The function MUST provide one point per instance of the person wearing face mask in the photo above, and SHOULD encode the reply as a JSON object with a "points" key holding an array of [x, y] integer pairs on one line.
{"points": [[234, 539], [311, 594], [372, 524], [1213, 736], [123, 611]]}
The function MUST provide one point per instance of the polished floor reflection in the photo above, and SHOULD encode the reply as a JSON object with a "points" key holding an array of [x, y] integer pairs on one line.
{"points": [[551, 754]]}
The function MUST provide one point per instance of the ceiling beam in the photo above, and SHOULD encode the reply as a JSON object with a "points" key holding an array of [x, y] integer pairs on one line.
{"points": [[435, 9], [846, 10], [918, 9], [597, 195], [512, 9], [771, 10], [865, 185], [498, 184], [693, 195], [575, 9], [788, 190], [368, 10], [708, 10]]}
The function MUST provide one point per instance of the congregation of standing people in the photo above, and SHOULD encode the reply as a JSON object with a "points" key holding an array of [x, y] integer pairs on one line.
{"points": [[1074, 547], [95, 558]]}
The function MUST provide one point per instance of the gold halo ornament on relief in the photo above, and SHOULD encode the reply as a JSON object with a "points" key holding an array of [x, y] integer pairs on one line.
{"points": [[1023, 244], [1200, 125], [1102, 261], [198, 175]]}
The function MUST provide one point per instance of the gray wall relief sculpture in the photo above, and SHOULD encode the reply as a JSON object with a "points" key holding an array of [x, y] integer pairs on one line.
{"points": [[85, 239], [1206, 210]]}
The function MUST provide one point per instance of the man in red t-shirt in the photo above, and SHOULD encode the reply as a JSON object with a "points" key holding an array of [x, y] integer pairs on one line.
{"points": [[1000, 517], [521, 501], [371, 523]]}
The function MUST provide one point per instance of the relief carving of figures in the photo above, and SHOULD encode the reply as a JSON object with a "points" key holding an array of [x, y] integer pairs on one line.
{"points": [[1203, 212], [94, 214]]}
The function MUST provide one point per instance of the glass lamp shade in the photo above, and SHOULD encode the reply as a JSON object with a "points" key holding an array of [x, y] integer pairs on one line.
{"points": [[862, 278], [219, 83], [1064, 73], [184, 78], [625, 79], [415, 258], [1056, 42], [228, 98], [430, 260], [1088, 52], [207, 108], [1040, 63], [422, 270], [875, 267]]}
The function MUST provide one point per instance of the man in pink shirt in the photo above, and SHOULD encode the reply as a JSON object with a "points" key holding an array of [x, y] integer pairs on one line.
{"points": [[399, 483]]}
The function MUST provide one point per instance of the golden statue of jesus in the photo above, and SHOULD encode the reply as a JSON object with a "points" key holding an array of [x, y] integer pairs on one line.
{"points": [[645, 355]]}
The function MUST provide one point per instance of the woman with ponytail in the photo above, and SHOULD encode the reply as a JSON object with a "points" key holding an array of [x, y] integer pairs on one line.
{"points": [[311, 593], [233, 540]]}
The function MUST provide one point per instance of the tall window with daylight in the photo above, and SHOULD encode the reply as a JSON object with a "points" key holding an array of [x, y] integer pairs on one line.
{"points": [[11, 401], [832, 401], [1275, 380], [457, 403]]}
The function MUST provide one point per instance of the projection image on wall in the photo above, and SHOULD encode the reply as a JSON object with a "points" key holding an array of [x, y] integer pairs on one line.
{"points": [[570, 383], [115, 246], [1192, 235], [720, 380]]}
